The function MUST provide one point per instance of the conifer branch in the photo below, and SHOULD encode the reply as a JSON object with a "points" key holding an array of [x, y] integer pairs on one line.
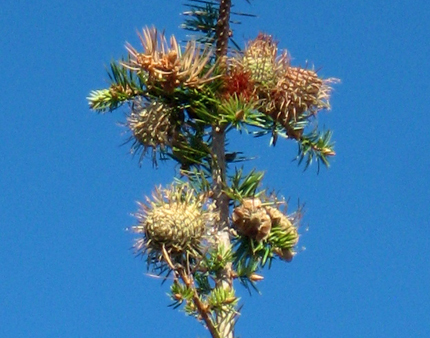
{"points": [[202, 309], [210, 228]]}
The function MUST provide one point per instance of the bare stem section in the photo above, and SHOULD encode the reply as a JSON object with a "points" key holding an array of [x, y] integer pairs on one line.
{"points": [[223, 29], [225, 321]]}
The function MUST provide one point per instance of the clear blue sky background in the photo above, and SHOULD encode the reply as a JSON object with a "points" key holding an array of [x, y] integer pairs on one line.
{"points": [[68, 187]]}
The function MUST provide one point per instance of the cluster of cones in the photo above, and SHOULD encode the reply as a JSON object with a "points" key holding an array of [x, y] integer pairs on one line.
{"points": [[261, 74]]}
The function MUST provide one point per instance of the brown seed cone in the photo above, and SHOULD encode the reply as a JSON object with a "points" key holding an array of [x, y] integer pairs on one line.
{"points": [[287, 94], [252, 220], [298, 92], [259, 222]]}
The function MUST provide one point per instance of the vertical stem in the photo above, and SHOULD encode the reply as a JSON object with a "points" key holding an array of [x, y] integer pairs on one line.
{"points": [[225, 321], [223, 30]]}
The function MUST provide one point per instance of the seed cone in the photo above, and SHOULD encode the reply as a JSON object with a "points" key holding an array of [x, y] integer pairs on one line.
{"points": [[166, 66], [174, 220], [297, 95], [289, 95], [268, 224], [150, 124], [260, 59], [252, 220]]}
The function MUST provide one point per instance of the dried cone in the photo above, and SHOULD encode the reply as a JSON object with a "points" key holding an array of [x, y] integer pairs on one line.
{"points": [[174, 220], [252, 220], [267, 223], [166, 66], [159, 60]]}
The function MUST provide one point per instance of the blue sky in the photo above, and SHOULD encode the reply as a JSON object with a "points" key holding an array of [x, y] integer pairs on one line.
{"points": [[68, 186]]}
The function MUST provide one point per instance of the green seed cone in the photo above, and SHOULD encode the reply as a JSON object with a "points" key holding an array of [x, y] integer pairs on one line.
{"points": [[177, 226], [174, 220], [150, 125]]}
